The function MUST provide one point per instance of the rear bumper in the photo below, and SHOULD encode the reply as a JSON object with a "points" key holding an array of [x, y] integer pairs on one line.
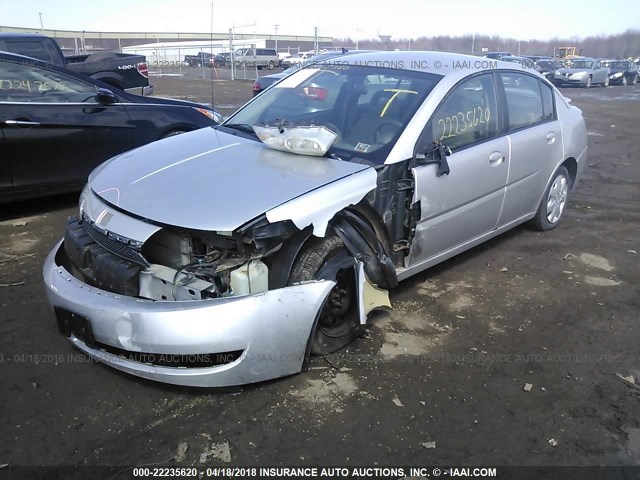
{"points": [[271, 330]]}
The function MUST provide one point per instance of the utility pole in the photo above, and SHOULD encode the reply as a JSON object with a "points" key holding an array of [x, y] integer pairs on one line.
{"points": [[473, 42], [315, 42], [41, 24], [276, 26], [231, 56]]}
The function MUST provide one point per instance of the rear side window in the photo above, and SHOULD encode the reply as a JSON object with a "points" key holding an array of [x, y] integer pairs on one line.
{"points": [[525, 102], [468, 114], [40, 49], [23, 82], [547, 101]]}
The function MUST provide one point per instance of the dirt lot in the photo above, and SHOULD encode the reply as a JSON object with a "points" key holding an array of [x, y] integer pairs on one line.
{"points": [[557, 310]]}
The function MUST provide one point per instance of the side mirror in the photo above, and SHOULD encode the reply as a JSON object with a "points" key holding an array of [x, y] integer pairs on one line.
{"points": [[436, 153], [105, 96]]}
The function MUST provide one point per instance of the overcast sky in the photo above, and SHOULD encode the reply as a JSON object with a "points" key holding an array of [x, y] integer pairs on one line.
{"points": [[521, 19]]}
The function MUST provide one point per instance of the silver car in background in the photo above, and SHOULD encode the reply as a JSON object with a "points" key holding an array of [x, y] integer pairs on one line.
{"points": [[584, 72], [231, 254]]}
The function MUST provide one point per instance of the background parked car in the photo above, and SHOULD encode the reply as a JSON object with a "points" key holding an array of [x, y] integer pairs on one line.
{"points": [[264, 82], [262, 57], [122, 70], [583, 72], [497, 55], [622, 72], [296, 58], [221, 60], [56, 126], [198, 60], [526, 62]]}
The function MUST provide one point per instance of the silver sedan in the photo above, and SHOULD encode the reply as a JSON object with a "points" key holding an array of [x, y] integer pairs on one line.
{"points": [[231, 254]]}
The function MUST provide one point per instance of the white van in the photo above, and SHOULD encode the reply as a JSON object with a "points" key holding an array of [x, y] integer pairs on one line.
{"points": [[262, 57]]}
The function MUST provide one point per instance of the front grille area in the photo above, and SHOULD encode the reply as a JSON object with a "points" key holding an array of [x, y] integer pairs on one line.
{"points": [[114, 246], [92, 263]]}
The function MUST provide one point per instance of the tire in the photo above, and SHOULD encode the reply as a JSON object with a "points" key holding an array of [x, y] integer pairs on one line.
{"points": [[555, 197], [634, 80], [606, 82], [271, 66], [588, 84], [338, 323], [623, 82]]}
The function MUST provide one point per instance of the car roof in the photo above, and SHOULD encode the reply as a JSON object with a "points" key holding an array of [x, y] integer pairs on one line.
{"points": [[22, 35], [440, 63]]}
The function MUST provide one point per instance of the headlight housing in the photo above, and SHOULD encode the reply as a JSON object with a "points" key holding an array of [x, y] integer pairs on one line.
{"points": [[616, 75], [212, 114]]}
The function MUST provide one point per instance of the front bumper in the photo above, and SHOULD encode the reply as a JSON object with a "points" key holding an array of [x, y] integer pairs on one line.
{"points": [[272, 329], [568, 82]]}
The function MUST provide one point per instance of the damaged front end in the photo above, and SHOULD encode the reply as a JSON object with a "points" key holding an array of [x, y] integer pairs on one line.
{"points": [[208, 308]]}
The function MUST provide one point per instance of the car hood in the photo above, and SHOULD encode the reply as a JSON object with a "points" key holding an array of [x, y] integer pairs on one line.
{"points": [[210, 180]]}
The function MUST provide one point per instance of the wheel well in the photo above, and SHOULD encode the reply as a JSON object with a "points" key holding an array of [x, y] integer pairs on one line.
{"points": [[572, 167], [174, 131]]}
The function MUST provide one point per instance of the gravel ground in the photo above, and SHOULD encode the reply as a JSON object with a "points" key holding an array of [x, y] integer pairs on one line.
{"points": [[554, 312]]}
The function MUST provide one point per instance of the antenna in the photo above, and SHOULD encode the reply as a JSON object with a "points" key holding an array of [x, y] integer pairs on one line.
{"points": [[212, 56]]}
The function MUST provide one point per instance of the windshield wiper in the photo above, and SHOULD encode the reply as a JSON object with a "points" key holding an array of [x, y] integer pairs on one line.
{"points": [[243, 127]]}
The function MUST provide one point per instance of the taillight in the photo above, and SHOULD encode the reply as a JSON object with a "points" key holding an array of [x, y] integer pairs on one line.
{"points": [[143, 69]]}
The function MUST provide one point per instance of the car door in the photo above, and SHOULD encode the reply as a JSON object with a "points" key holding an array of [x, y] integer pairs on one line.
{"points": [[464, 205], [535, 137], [55, 130]]}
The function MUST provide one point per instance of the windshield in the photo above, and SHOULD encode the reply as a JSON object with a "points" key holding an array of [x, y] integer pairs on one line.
{"points": [[581, 64], [367, 107], [619, 65], [544, 64]]}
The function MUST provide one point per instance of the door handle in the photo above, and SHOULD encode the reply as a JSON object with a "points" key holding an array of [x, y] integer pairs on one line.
{"points": [[551, 137], [496, 158], [21, 123]]}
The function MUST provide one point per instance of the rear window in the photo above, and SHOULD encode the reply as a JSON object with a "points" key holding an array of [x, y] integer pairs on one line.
{"points": [[42, 49]]}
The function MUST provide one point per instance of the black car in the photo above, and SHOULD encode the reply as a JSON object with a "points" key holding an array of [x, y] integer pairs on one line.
{"points": [[622, 72], [56, 126], [222, 60]]}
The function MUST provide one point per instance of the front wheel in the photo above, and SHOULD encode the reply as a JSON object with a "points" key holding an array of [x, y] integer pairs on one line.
{"points": [[624, 81], [271, 65], [338, 324], [553, 202], [588, 84]]}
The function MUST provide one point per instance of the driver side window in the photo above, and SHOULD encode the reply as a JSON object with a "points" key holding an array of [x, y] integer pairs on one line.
{"points": [[468, 115], [23, 82]]}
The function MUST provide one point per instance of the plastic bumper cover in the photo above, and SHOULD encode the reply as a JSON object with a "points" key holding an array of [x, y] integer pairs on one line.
{"points": [[271, 329]]}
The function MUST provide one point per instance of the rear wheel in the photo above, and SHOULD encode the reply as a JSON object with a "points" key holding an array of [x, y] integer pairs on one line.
{"points": [[271, 65], [606, 82], [338, 324], [553, 202]]}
